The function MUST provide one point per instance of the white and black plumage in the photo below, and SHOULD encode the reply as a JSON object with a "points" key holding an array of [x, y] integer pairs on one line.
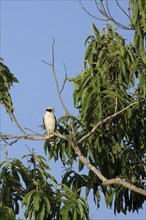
{"points": [[50, 123]]}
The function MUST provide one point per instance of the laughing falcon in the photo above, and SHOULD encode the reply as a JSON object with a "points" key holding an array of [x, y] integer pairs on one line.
{"points": [[50, 123]]}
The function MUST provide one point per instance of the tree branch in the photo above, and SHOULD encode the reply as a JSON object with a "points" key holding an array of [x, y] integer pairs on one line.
{"points": [[37, 137], [115, 181], [106, 13], [118, 181], [100, 19], [15, 120], [86, 163], [123, 10], [56, 80], [104, 120]]}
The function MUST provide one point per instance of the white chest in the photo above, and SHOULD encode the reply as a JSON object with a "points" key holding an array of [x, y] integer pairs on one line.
{"points": [[49, 122]]}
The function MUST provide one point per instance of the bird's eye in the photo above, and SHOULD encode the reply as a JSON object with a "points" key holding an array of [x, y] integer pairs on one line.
{"points": [[49, 110]]}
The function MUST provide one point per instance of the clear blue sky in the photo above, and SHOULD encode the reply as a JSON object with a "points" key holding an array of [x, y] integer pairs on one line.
{"points": [[27, 28]]}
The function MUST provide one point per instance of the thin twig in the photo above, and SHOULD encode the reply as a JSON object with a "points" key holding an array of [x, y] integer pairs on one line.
{"points": [[105, 13], [123, 10], [56, 80], [59, 95], [116, 105], [110, 17], [32, 131], [100, 19], [64, 82]]}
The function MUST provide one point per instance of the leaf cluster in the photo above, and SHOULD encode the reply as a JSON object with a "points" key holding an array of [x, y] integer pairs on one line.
{"points": [[139, 24], [39, 192], [6, 81]]}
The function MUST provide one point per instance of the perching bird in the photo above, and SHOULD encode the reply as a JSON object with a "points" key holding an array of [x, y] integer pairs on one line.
{"points": [[50, 123]]}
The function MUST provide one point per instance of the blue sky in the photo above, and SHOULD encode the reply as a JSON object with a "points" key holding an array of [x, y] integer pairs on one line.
{"points": [[27, 28]]}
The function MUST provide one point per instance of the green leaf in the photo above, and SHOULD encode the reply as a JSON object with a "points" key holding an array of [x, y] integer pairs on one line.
{"points": [[96, 31], [27, 197], [42, 212], [36, 201], [81, 166], [80, 208], [75, 214], [135, 13], [48, 206]]}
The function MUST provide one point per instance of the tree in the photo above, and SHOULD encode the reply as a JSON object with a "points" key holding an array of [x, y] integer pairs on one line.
{"points": [[108, 137]]}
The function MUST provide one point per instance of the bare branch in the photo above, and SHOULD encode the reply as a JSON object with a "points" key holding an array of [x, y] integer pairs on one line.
{"points": [[105, 11], [32, 131], [56, 80], [100, 19], [110, 17], [123, 10]]}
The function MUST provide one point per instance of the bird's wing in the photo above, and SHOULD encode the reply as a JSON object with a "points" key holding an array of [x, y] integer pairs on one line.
{"points": [[43, 123], [55, 122]]}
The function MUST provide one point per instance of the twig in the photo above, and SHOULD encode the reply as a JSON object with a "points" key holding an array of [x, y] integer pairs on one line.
{"points": [[116, 105], [64, 79], [109, 16], [55, 77], [56, 80], [106, 13], [32, 131], [123, 10], [100, 19]]}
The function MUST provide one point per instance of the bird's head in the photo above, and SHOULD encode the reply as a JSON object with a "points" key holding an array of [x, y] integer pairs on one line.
{"points": [[50, 109]]}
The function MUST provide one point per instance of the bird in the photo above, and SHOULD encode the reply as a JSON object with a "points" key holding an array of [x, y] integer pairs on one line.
{"points": [[50, 122]]}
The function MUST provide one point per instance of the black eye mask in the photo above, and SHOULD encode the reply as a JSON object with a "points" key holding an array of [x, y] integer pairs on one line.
{"points": [[49, 110]]}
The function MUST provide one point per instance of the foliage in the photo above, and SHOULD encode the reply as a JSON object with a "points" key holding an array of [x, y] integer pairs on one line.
{"points": [[39, 192], [139, 24], [6, 81], [114, 76]]}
